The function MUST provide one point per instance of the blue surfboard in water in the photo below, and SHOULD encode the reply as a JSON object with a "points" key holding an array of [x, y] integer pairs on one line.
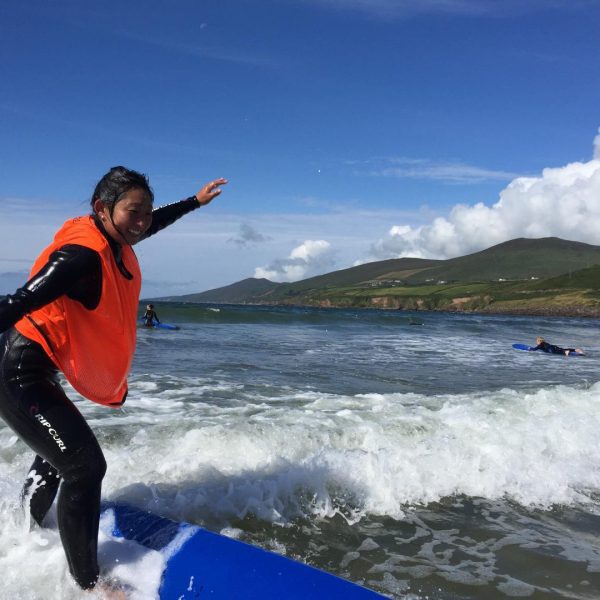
{"points": [[522, 347], [203, 564], [158, 325]]}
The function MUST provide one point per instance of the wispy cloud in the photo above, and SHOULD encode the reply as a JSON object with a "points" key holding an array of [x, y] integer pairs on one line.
{"points": [[405, 8], [17, 261], [203, 50], [95, 130], [248, 235], [27, 225], [468, 8], [169, 287], [27, 211], [92, 17], [449, 172]]}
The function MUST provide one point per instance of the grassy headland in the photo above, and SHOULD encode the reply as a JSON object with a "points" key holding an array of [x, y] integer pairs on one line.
{"points": [[546, 276]]}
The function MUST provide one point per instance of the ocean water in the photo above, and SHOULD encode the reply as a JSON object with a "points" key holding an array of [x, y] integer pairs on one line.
{"points": [[414, 453]]}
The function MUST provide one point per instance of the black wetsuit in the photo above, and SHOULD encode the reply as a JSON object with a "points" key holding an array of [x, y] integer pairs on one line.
{"points": [[150, 317], [34, 405], [552, 349]]}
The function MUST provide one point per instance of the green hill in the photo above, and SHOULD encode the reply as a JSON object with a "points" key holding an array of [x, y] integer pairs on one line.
{"points": [[236, 293], [521, 258], [252, 290], [584, 279], [393, 268], [534, 273]]}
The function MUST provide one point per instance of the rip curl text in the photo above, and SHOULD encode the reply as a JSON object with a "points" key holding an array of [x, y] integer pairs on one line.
{"points": [[52, 432]]}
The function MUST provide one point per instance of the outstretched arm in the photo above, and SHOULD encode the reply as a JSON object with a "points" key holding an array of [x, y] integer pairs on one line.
{"points": [[167, 215]]}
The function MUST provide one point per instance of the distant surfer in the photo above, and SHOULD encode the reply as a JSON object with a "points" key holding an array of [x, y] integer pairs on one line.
{"points": [[77, 314], [150, 317], [544, 346]]}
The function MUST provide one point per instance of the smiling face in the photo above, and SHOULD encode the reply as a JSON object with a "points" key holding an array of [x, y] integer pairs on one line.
{"points": [[131, 217]]}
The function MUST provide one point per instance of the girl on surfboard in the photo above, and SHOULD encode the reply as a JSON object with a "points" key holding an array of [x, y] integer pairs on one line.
{"points": [[77, 314], [544, 346]]}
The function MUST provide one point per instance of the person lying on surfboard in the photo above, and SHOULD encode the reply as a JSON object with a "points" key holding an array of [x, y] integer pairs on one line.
{"points": [[78, 314], [150, 316], [544, 346]]}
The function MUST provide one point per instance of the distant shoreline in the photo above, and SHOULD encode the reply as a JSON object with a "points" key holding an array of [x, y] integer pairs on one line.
{"points": [[586, 312], [549, 311], [490, 309]]}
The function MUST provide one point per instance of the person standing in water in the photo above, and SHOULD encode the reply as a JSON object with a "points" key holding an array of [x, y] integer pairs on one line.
{"points": [[150, 316], [77, 314]]}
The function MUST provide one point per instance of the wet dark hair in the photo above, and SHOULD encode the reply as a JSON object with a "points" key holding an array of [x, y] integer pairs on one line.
{"points": [[116, 183]]}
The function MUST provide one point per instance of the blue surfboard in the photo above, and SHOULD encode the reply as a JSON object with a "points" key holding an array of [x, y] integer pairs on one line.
{"points": [[203, 564], [522, 347], [161, 325]]}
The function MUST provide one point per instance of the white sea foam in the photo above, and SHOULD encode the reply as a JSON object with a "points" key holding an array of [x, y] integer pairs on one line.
{"points": [[314, 453], [310, 454]]}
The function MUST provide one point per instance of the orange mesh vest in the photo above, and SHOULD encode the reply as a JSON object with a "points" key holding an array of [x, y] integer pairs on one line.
{"points": [[93, 348]]}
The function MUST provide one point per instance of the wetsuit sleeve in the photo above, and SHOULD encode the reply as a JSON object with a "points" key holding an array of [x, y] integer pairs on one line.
{"points": [[66, 268], [167, 215]]}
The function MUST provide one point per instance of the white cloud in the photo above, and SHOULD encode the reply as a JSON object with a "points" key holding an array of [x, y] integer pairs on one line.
{"points": [[562, 202], [309, 258]]}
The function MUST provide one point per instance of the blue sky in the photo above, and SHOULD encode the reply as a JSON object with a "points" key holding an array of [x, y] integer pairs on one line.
{"points": [[350, 130]]}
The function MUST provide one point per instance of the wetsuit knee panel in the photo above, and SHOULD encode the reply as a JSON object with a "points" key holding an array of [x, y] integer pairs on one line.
{"points": [[86, 467]]}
